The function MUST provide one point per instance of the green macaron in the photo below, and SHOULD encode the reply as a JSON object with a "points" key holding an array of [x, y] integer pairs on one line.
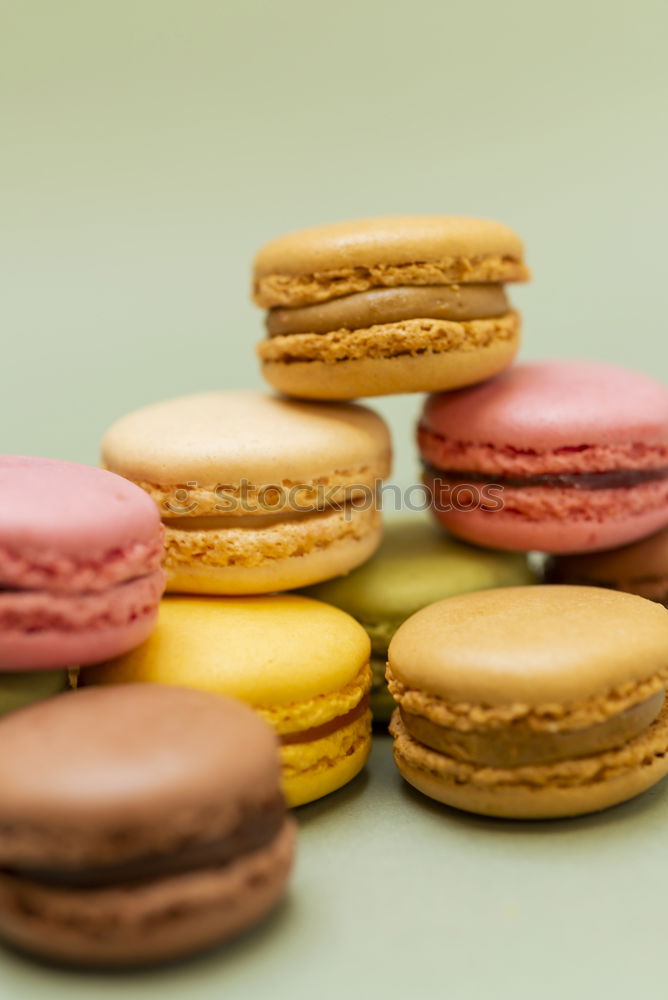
{"points": [[416, 565], [20, 689]]}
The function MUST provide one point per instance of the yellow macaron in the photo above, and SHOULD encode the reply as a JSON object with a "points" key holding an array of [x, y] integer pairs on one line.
{"points": [[303, 665]]}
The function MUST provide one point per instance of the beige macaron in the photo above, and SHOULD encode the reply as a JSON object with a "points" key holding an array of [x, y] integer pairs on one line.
{"points": [[410, 303], [532, 702], [257, 493]]}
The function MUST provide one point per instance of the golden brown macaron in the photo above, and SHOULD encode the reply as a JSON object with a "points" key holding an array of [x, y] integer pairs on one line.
{"points": [[256, 493], [554, 708], [639, 568], [388, 305]]}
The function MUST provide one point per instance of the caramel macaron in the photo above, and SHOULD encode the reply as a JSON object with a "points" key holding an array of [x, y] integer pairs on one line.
{"points": [[411, 303], [256, 493], [532, 702]]}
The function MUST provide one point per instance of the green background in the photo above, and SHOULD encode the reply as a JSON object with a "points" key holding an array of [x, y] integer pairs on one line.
{"points": [[148, 148]]}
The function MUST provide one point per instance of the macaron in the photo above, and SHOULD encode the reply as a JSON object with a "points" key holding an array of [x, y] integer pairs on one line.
{"points": [[639, 568], [559, 456], [25, 687], [80, 564], [416, 565], [257, 493], [532, 702], [144, 823], [411, 303], [303, 665]]}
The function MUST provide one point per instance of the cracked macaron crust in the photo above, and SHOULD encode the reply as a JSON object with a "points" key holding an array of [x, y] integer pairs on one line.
{"points": [[388, 305], [532, 703], [80, 564], [417, 564], [303, 665], [146, 822], [575, 455], [257, 493]]}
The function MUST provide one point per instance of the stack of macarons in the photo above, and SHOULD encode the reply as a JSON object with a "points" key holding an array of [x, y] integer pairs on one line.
{"points": [[506, 697], [261, 494]]}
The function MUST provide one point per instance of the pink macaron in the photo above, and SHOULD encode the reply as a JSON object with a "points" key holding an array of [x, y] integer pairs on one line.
{"points": [[555, 456], [80, 564]]}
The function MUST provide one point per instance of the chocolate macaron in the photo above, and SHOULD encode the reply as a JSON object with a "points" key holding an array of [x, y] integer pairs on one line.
{"points": [[532, 702], [410, 303], [639, 568], [137, 824]]}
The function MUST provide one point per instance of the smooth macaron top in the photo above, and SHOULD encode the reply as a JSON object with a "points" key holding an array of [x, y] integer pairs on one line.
{"points": [[397, 239], [269, 651], [418, 563], [119, 770], [76, 510], [73, 528], [222, 438], [530, 645], [551, 405]]}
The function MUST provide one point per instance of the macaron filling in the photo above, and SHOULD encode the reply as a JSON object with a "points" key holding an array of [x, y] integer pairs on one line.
{"points": [[380, 306], [615, 479], [256, 829], [518, 744], [327, 728]]}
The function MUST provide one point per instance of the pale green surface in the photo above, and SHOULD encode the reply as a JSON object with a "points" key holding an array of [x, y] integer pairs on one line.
{"points": [[17, 690], [148, 148]]}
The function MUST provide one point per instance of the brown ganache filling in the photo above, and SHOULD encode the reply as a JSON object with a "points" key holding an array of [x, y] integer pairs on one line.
{"points": [[518, 744], [255, 830], [617, 479], [391, 305], [327, 728]]}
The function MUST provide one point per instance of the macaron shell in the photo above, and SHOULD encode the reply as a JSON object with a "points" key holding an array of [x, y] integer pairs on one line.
{"points": [[168, 766], [539, 645], [335, 769], [515, 533], [55, 631], [158, 920], [267, 651], [346, 380], [218, 438], [386, 240], [420, 767], [52, 650], [48, 506], [555, 404], [269, 573]]}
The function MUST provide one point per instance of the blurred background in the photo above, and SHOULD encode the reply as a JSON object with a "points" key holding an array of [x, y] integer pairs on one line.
{"points": [[151, 146]]}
